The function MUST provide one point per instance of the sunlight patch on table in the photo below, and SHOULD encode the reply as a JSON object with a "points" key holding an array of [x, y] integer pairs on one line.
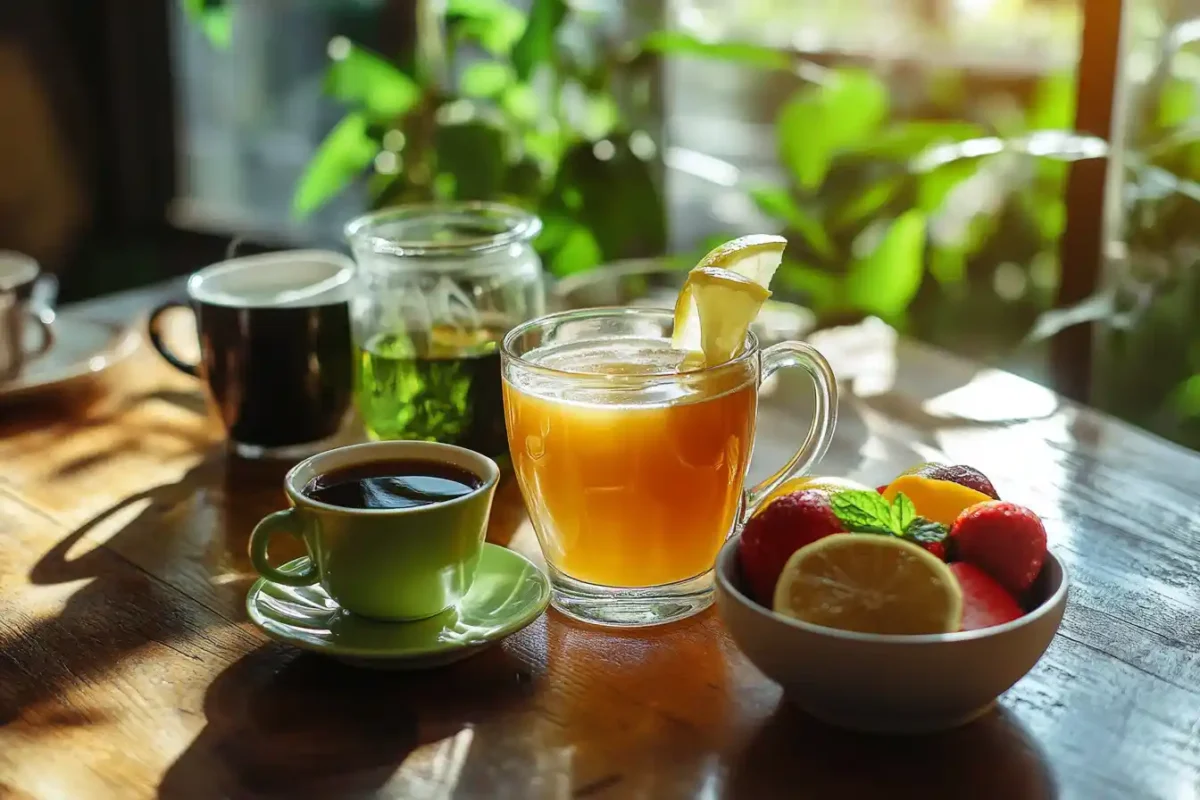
{"points": [[864, 353], [994, 396], [44, 603], [434, 768]]}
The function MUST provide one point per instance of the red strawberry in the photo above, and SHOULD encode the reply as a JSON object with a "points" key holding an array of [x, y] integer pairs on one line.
{"points": [[1005, 540], [780, 529], [881, 489], [985, 602], [937, 548], [956, 473]]}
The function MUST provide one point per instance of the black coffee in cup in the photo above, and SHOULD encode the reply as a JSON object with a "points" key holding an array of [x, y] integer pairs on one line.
{"points": [[275, 347], [409, 483]]}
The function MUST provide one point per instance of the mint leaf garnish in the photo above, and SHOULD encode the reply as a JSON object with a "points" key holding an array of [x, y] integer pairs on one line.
{"points": [[903, 513], [925, 531], [869, 512], [863, 512]]}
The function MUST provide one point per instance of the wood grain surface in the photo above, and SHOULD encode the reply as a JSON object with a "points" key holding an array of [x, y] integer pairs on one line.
{"points": [[128, 669]]}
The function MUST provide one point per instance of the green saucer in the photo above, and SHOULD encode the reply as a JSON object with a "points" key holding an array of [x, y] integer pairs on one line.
{"points": [[508, 593]]}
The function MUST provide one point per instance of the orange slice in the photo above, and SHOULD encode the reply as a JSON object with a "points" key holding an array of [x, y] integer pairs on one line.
{"points": [[869, 583], [940, 501]]}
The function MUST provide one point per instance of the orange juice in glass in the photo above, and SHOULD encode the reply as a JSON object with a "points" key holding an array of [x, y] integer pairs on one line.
{"points": [[632, 465]]}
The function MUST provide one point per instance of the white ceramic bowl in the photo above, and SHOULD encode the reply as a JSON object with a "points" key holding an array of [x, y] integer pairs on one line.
{"points": [[889, 684]]}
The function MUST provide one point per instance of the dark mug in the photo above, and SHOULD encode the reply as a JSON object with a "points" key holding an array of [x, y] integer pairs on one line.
{"points": [[21, 311], [275, 348]]}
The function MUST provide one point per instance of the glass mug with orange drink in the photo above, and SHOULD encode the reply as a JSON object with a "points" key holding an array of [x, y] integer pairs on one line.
{"points": [[631, 450]]}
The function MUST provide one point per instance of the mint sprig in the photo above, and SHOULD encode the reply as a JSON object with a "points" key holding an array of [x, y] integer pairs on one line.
{"points": [[869, 512], [862, 512]]}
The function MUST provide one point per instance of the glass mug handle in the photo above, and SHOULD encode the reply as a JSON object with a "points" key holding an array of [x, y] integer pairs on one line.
{"points": [[820, 432]]}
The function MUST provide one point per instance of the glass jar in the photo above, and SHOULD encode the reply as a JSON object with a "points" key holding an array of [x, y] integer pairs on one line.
{"points": [[439, 286]]}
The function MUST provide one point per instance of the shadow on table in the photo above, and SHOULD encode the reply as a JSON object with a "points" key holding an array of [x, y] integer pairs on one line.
{"points": [[190, 536], [793, 754], [288, 725]]}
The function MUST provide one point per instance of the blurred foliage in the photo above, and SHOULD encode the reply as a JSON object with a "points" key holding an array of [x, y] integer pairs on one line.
{"points": [[879, 210], [496, 107], [501, 104], [1148, 364], [214, 18], [946, 225]]}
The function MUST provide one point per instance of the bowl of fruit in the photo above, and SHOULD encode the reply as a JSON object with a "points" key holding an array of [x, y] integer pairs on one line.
{"points": [[904, 609]]}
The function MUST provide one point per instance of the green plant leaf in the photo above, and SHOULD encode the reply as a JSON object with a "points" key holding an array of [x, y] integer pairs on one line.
{"points": [[544, 147], [676, 43], [536, 45], [1176, 103], [523, 180], [1186, 398], [948, 263], [578, 252], [615, 198], [934, 186], [473, 154], [496, 38], [778, 203], [555, 229], [486, 79], [601, 116], [214, 18], [910, 138], [495, 24], [873, 197], [1049, 214], [819, 122], [366, 80], [887, 280], [341, 157], [445, 186], [818, 288], [1053, 105], [521, 103]]}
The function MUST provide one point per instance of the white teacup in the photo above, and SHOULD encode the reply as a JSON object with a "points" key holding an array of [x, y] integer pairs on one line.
{"points": [[19, 310]]}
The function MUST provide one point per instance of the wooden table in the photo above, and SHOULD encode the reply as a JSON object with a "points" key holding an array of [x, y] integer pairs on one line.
{"points": [[128, 669]]}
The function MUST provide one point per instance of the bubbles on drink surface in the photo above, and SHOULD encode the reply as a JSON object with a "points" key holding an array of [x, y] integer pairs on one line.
{"points": [[628, 372]]}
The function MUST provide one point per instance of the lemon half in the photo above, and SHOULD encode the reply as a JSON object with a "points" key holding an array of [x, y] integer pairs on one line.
{"points": [[869, 583]]}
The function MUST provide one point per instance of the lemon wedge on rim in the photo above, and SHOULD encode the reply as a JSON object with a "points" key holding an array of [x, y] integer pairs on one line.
{"points": [[731, 283], [869, 583], [727, 303]]}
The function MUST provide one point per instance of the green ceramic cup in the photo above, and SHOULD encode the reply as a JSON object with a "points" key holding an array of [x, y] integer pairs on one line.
{"points": [[388, 564]]}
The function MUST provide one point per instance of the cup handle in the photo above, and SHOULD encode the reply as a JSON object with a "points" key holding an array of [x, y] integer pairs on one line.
{"points": [[260, 539], [820, 433], [44, 293], [152, 328], [44, 317]]}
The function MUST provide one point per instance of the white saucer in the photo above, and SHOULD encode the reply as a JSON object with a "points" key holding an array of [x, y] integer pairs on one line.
{"points": [[82, 348]]}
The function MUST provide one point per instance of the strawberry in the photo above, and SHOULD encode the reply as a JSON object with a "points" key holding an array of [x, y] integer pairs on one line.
{"points": [[956, 473], [1005, 540], [936, 548], [780, 529], [985, 602], [881, 489]]}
